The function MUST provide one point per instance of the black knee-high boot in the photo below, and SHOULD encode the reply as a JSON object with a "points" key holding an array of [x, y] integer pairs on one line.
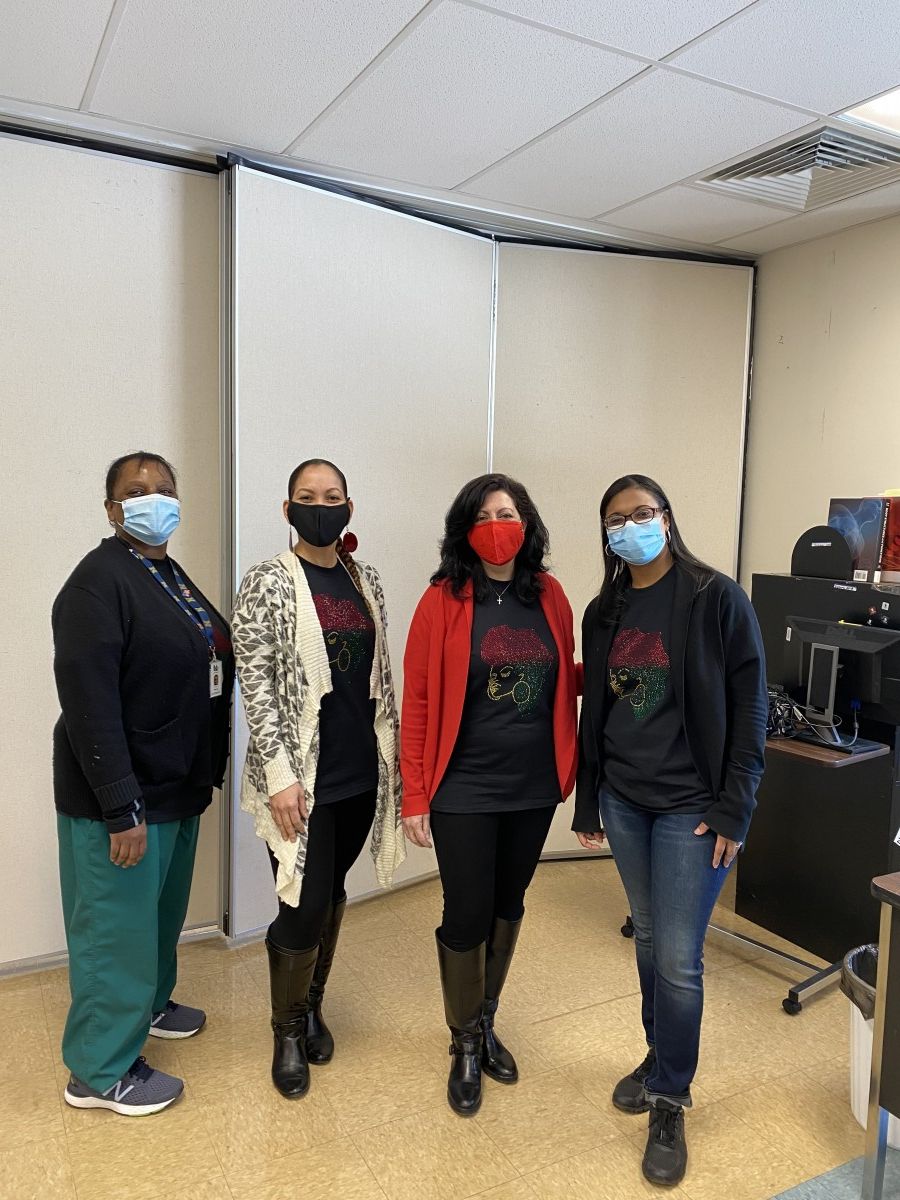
{"points": [[290, 974], [496, 1060], [462, 980], [319, 1042]]}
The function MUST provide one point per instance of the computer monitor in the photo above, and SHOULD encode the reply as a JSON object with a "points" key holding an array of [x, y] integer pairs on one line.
{"points": [[840, 610], [842, 658]]}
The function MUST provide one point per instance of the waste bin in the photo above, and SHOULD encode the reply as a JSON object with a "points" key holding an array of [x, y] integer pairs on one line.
{"points": [[858, 975]]}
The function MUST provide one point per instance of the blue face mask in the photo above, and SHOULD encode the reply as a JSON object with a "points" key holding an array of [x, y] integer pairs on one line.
{"points": [[638, 544], [151, 519]]}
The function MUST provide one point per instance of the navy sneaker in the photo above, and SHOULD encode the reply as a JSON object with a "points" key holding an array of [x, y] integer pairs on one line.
{"points": [[177, 1021], [140, 1092]]}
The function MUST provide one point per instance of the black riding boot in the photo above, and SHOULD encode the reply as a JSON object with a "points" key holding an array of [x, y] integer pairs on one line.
{"points": [[462, 979], [290, 974], [496, 1060], [319, 1042]]}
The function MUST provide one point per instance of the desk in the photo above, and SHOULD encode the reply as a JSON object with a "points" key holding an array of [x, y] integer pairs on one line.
{"points": [[823, 756], [821, 831]]}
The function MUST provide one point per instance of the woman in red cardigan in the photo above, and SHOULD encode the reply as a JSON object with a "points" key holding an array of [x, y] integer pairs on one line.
{"points": [[487, 750]]}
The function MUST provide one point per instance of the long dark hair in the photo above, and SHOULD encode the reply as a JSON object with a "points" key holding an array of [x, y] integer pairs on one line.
{"points": [[350, 563], [617, 573], [459, 562]]}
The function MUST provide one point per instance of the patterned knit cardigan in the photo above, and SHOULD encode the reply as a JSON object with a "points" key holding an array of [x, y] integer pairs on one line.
{"points": [[283, 670]]}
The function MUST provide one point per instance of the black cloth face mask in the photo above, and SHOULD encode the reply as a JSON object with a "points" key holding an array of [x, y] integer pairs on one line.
{"points": [[319, 524]]}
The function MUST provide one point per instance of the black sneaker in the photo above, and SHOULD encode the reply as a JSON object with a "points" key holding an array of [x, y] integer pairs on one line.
{"points": [[629, 1095], [665, 1159]]}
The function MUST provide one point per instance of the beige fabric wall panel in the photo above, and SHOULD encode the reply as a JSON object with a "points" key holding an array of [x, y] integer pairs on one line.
{"points": [[363, 337], [608, 365], [824, 418], [108, 289]]}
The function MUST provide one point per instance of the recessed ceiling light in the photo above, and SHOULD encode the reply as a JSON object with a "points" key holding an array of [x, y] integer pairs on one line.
{"points": [[883, 113]]}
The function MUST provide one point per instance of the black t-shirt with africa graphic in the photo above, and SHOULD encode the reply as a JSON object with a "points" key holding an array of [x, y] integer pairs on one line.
{"points": [[646, 757], [504, 756], [348, 750]]}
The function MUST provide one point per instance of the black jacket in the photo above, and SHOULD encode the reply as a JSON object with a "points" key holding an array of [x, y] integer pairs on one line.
{"points": [[719, 677], [138, 735]]}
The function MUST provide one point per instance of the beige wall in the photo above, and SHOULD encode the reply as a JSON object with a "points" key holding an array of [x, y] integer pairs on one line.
{"points": [[108, 294], [825, 408]]}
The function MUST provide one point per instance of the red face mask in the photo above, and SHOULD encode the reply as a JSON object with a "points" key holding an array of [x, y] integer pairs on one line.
{"points": [[497, 542]]}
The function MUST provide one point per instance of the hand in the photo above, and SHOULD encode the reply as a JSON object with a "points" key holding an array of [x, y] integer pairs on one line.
{"points": [[726, 850], [289, 811], [592, 841], [126, 849], [418, 830]]}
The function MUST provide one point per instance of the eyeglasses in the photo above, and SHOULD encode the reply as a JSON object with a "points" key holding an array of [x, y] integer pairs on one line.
{"points": [[640, 516]]}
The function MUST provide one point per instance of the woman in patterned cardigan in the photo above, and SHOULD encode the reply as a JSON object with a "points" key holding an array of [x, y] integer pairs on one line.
{"points": [[315, 677]]}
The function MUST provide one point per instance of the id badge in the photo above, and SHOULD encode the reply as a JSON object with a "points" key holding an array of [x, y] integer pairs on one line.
{"points": [[215, 678]]}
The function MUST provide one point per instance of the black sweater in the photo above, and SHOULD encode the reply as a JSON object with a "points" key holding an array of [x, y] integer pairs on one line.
{"points": [[139, 736], [719, 677]]}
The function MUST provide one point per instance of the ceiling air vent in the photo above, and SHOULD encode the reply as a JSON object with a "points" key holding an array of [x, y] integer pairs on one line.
{"points": [[818, 169]]}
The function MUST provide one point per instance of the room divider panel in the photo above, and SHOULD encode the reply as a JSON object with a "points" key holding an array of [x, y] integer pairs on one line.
{"points": [[362, 336], [608, 365]]}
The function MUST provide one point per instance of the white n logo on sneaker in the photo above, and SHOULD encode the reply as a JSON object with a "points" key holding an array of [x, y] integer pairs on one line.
{"points": [[119, 1092]]}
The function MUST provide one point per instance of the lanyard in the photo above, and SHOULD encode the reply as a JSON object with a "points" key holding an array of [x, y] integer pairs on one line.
{"points": [[186, 602]]}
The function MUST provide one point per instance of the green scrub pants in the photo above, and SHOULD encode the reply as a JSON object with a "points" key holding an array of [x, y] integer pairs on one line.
{"points": [[122, 930]]}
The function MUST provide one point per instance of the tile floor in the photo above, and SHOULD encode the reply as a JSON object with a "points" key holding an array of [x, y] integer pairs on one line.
{"points": [[772, 1095]]}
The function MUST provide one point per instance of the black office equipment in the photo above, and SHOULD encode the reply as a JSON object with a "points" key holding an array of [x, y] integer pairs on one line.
{"points": [[822, 553], [822, 683], [826, 819]]}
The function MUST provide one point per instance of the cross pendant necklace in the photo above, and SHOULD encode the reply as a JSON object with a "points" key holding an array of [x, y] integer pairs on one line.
{"points": [[500, 595]]}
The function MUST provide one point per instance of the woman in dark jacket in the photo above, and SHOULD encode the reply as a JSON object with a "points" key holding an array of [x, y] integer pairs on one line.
{"points": [[144, 672], [671, 743]]}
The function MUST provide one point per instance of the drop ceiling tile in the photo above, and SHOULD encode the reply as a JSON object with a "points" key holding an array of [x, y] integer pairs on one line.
{"points": [[871, 206], [658, 130], [248, 74], [48, 47], [650, 27], [694, 214], [465, 88], [824, 56]]}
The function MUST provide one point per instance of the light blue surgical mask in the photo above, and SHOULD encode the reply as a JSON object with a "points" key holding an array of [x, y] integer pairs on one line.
{"points": [[151, 519], [638, 544]]}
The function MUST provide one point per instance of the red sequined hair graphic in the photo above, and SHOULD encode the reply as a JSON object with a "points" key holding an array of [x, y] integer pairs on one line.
{"points": [[502, 645]]}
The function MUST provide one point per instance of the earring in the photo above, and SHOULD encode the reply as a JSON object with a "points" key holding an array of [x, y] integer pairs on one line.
{"points": [[608, 550], [348, 541]]}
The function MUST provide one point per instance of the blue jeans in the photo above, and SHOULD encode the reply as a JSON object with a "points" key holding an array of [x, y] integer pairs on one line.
{"points": [[672, 888]]}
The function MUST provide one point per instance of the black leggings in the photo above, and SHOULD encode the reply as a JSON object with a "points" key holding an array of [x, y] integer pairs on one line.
{"points": [[337, 833], [487, 861]]}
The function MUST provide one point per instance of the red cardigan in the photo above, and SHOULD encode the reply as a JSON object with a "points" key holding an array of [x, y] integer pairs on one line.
{"points": [[435, 677]]}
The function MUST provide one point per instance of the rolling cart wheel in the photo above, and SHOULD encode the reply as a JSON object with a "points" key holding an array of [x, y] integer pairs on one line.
{"points": [[627, 930], [791, 1007]]}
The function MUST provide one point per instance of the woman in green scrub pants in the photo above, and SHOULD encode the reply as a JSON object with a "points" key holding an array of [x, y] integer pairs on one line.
{"points": [[144, 671]]}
